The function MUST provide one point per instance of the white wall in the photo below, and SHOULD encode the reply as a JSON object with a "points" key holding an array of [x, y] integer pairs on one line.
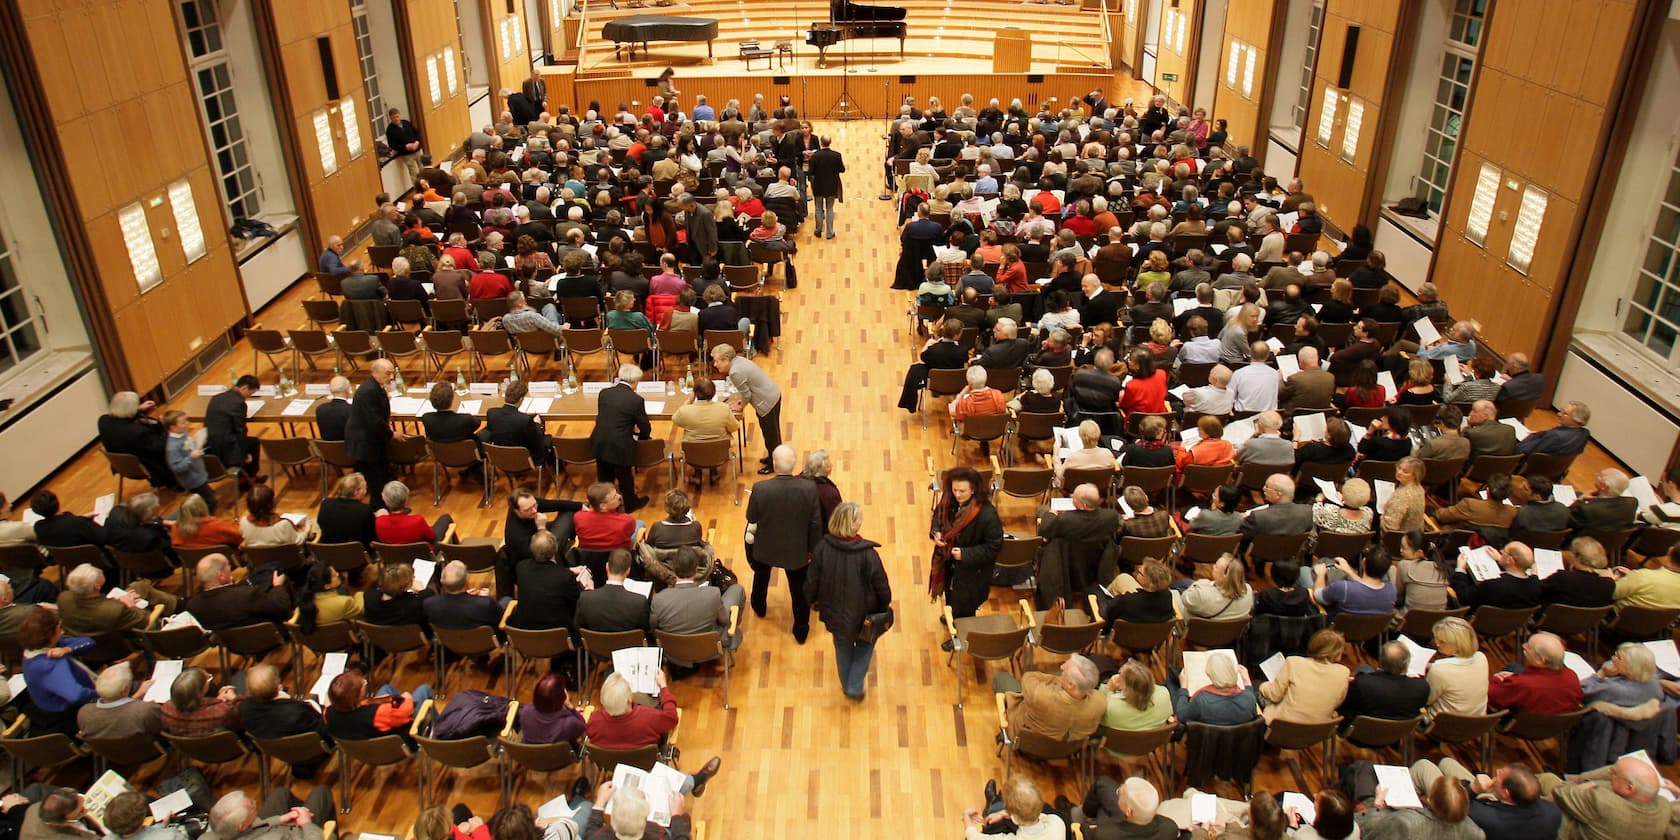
{"points": [[1408, 259], [1418, 102], [51, 433], [1629, 427], [387, 54], [1210, 58], [256, 111]]}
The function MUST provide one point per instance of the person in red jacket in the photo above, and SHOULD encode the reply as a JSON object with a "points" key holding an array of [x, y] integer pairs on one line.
{"points": [[397, 524], [1544, 685], [1146, 389], [622, 724], [488, 284], [603, 525]]}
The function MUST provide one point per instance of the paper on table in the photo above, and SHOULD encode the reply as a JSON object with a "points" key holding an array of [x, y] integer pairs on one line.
{"points": [[1514, 423], [1547, 562], [1273, 665], [1302, 804], [1386, 380], [1310, 426], [1419, 663], [252, 407], [1564, 494], [210, 390], [1668, 659], [1288, 366], [595, 388], [172, 804], [487, 389], [1574, 662], [423, 571], [1194, 676], [1204, 808], [1483, 562], [163, 678], [536, 405], [1427, 334], [653, 387], [643, 588], [407, 406], [316, 389], [654, 407], [1398, 780], [297, 407], [470, 407], [638, 665], [543, 388], [1382, 489], [1328, 488]]}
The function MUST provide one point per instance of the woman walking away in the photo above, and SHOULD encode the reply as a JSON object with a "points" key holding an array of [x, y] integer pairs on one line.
{"points": [[847, 582]]}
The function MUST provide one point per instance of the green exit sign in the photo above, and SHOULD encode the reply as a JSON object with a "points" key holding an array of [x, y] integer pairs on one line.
{"points": [[1169, 77]]}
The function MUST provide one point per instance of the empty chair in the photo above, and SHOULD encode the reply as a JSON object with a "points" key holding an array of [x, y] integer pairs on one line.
{"points": [[984, 638], [438, 755]]}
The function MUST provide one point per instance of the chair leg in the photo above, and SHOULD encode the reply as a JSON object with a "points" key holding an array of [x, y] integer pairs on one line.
{"points": [[344, 782]]}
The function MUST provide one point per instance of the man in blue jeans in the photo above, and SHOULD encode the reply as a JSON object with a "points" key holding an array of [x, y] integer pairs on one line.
{"points": [[823, 171]]}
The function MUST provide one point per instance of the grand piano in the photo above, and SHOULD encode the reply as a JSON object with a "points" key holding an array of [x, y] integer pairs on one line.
{"points": [[640, 29], [856, 20]]}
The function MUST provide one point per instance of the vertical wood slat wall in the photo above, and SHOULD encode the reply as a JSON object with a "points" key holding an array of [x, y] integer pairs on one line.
{"points": [[1251, 22], [1337, 185], [339, 202], [430, 30], [128, 129]]}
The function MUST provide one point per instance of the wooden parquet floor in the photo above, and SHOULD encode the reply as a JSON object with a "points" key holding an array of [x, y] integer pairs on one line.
{"points": [[796, 754]]}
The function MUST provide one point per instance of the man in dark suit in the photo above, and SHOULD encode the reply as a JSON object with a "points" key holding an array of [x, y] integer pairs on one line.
{"points": [[527, 517], [334, 414], [620, 420], [1077, 543], [1154, 305], [1568, 437], [1522, 383], [823, 172], [457, 608], [968, 310], [1310, 388], [1281, 514], [702, 230], [1542, 513], [224, 429], [942, 353], [58, 528], [784, 522], [265, 714], [222, 603], [1386, 693], [1097, 305], [1605, 508], [444, 424], [506, 425], [1204, 309], [1486, 434], [1006, 351], [136, 527], [546, 589], [612, 608], [1516, 588], [369, 428]]}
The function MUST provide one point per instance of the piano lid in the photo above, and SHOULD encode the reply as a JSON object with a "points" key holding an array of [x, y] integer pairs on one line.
{"points": [[846, 10]]}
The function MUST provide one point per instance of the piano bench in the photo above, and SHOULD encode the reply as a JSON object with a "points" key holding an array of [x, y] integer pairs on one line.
{"points": [[750, 50]]}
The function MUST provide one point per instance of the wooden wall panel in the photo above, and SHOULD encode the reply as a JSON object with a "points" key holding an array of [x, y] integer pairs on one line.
{"points": [[511, 71], [1339, 186], [1129, 32], [1523, 95], [430, 25], [1168, 60], [138, 92], [1248, 21], [298, 25]]}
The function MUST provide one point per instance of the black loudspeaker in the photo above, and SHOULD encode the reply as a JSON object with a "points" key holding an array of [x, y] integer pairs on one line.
{"points": [[906, 80], [780, 80], [329, 70], [1350, 49], [1035, 78], [650, 83]]}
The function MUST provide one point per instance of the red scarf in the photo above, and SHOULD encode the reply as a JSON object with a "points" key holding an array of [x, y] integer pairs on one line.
{"points": [[961, 518]]}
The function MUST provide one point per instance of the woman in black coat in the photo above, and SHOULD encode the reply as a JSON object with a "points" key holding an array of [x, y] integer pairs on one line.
{"points": [[847, 582], [967, 536], [131, 430]]}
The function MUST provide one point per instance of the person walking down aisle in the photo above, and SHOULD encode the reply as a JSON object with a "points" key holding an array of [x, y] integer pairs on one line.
{"points": [[846, 583], [784, 523]]}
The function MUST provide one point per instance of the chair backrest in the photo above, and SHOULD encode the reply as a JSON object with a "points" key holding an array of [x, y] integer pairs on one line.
{"points": [[1229, 752], [1297, 735], [177, 643], [470, 641], [215, 748], [734, 338], [341, 556], [444, 342], [284, 557], [1554, 467], [1357, 629], [991, 646], [1136, 549], [1499, 621], [584, 341], [509, 459], [1270, 548], [251, 639], [1206, 548], [50, 750], [152, 563], [1210, 633], [629, 341], [539, 758], [490, 342], [288, 451], [1205, 478], [706, 454], [1531, 726], [1376, 733], [128, 751], [1069, 638], [1025, 482], [302, 748], [1034, 425], [477, 557], [690, 647], [1333, 544], [605, 760], [1456, 729], [1102, 477], [401, 554], [333, 452], [945, 383], [1139, 637], [1643, 622], [1565, 620], [1134, 742], [392, 638], [378, 752], [601, 645], [985, 427], [457, 454], [540, 644], [1419, 625], [1020, 552], [332, 637]]}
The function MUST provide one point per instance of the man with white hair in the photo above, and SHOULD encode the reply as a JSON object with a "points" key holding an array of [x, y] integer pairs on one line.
{"points": [[630, 816], [385, 230], [1267, 446], [334, 414], [620, 421], [984, 183], [332, 261], [1281, 514], [1568, 437], [1126, 809], [223, 602], [84, 609], [1618, 802], [119, 712], [784, 523], [1605, 508], [1239, 275], [281, 817], [1065, 706], [456, 607]]}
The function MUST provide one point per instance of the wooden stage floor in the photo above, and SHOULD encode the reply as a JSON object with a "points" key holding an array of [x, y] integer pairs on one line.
{"points": [[906, 761]]}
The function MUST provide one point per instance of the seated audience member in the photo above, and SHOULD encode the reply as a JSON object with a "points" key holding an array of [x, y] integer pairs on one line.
{"points": [[1066, 706], [1126, 809], [456, 607], [1365, 590], [1542, 685], [1616, 802], [1308, 689], [194, 527], [1386, 692], [547, 590], [630, 816], [1222, 702], [61, 528], [1404, 511], [549, 718], [1654, 588], [86, 611], [1091, 454], [1446, 814], [611, 608], [1351, 516], [686, 606], [324, 600], [354, 716], [1143, 597], [1016, 811], [1605, 508], [1585, 580], [1135, 702], [1489, 514], [1506, 803], [1267, 446], [119, 712], [1515, 588], [264, 713], [1422, 575], [1286, 597], [346, 516], [221, 602], [59, 684], [1542, 513], [622, 724], [1281, 515], [603, 525], [264, 526], [1333, 817], [398, 600], [1226, 596], [190, 711], [1334, 448], [1458, 675], [1568, 437]]}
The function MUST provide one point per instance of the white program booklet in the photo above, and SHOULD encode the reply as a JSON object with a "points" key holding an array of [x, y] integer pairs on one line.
{"points": [[1427, 334], [639, 665], [1668, 659], [1421, 655], [1382, 490], [1302, 804], [1483, 562], [1204, 808], [1517, 425], [1574, 662], [1309, 426], [170, 805], [1289, 365], [1328, 488], [1273, 665], [332, 665], [163, 678], [1547, 562], [643, 588], [1194, 676], [1386, 380], [1398, 782], [423, 571]]}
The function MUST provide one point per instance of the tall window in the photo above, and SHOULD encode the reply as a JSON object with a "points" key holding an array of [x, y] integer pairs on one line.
{"points": [[370, 71], [1309, 63], [1653, 314], [207, 56], [1452, 91], [20, 336]]}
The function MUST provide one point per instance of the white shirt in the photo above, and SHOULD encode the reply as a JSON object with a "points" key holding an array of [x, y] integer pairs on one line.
{"points": [[1254, 387]]}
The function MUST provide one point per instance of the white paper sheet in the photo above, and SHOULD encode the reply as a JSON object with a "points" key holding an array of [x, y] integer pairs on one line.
{"points": [[1238, 432], [1398, 782], [1180, 391], [1275, 343], [407, 406], [1514, 423], [170, 805], [654, 407], [653, 387], [470, 407], [1061, 504], [1639, 487], [181, 619], [163, 677], [1382, 490], [1564, 494], [1427, 334], [252, 407], [1183, 305], [1453, 372], [638, 665], [1289, 365], [1328, 488], [332, 665], [297, 408], [16, 683], [423, 571], [1547, 562], [1310, 426], [1574, 662], [1302, 804], [1419, 664], [1386, 380], [1288, 220], [1272, 666], [643, 588], [536, 405], [1668, 659], [1194, 676], [298, 520], [1483, 562], [1204, 808], [102, 507], [117, 592], [556, 807]]}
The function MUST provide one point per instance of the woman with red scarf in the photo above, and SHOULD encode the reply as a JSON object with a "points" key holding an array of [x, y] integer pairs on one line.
{"points": [[967, 536]]}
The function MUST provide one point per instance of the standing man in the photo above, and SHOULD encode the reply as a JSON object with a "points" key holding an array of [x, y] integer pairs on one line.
{"points": [[754, 386], [784, 522], [702, 230], [224, 429], [332, 260], [369, 428], [404, 139], [620, 420], [825, 168]]}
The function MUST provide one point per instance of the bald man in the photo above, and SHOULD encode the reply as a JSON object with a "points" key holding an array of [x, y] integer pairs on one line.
{"points": [[1079, 548], [369, 428], [1618, 802], [784, 522], [1542, 684]]}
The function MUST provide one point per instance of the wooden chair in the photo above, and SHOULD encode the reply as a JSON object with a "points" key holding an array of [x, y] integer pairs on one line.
{"points": [[125, 467], [710, 455], [1040, 747], [1566, 621], [490, 344], [523, 758], [375, 753], [292, 455], [393, 640], [584, 342], [1448, 728], [535, 646], [706, 646], [598, 648], [984, 638], [437, 755], [1152, 745], [1379, 733], [456, 455], [1291, 735], [512, 462]]}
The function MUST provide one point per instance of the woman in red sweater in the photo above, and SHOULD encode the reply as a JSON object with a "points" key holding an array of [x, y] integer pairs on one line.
{"points": [[1146, 389], [397, 524], [603, 525], [1012, 273], [623, 724]]}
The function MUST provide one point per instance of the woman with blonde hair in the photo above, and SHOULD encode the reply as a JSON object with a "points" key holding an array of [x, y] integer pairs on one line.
{"points": [[846, 584], [1308, 689], [195, 528], [1090, 455], [1352, 515], [1404, 510], [1227, 595], [1134, 700], [1458, 676]]}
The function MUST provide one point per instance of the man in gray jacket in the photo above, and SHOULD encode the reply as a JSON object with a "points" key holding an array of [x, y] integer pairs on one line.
{"points": [[753, 387], [281, 817]]}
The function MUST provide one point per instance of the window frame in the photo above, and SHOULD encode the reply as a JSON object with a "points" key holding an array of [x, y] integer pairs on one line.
{"points": [[237, 178]]}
